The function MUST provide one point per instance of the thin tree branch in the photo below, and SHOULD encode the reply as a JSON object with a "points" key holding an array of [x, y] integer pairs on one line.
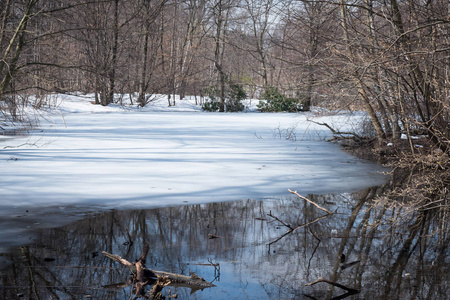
{"points": [[312, 202], [348, 289]]}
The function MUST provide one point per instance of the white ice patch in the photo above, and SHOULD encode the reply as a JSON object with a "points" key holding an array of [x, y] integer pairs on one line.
{"points": [[159, 159]]}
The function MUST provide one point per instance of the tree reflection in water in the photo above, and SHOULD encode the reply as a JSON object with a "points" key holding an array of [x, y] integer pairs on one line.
{"points": [[381, 252]]}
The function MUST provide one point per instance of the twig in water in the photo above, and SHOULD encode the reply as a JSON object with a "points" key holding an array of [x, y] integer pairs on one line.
{"points": [[348, 289], [298, 227], [312, 202]]}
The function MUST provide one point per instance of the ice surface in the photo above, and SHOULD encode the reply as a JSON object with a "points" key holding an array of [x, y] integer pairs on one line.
{"points": [[144, 158], [92, 156]]}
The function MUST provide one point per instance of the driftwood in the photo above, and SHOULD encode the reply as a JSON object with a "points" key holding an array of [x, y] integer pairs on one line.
{"points": [[161, 279], [155, 292]]}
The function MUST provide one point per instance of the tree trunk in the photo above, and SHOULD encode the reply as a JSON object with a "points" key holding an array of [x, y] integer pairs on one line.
{"points": [[112, 73], [5, 7], [143, 80], [221, 23], [19, 35]]}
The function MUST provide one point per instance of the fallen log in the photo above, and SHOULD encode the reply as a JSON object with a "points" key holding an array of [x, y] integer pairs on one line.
{"points": [[193, 281], [155, 292]]}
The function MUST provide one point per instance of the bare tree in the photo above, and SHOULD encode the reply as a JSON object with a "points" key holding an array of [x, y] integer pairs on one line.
{"points": [[195, 31], [11, 53], [221, 10], [152, 33], [262, 16], [308, 28]]}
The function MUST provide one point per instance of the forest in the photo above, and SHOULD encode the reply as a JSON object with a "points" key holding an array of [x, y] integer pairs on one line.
{"points": [[387, 58]]}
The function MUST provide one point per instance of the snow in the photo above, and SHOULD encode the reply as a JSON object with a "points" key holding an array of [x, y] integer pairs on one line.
{"points": [[86, 155]]}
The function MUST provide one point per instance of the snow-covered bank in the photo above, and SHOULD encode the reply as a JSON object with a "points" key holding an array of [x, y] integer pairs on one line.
{"points": [[111, 157]]}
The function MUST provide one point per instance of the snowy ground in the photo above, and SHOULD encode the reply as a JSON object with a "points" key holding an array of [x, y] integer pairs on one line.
{"points": [[88, 156]]}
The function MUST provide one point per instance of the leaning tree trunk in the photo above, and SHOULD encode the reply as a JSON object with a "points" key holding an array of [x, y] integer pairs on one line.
{"points": [[357, 76]]}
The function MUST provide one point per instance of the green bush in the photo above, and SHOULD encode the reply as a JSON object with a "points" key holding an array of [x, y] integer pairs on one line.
{"points": [[213, 104], [236, 94], [275, 101], [233, 102]]}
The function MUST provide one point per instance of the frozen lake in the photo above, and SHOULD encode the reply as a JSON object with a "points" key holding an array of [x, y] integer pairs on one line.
{"points": [[127, 160], [160, 159]]}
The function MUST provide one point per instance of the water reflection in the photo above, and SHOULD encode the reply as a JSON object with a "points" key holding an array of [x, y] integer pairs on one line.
{"points": [[371, 249]]}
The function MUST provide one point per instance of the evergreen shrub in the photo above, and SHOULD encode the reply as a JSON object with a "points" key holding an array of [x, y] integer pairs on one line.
{"points": [[234, 95], [275, 101]]}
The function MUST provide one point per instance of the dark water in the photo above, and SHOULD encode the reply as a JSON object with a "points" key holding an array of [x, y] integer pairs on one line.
{"points": [[383, 253]]}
